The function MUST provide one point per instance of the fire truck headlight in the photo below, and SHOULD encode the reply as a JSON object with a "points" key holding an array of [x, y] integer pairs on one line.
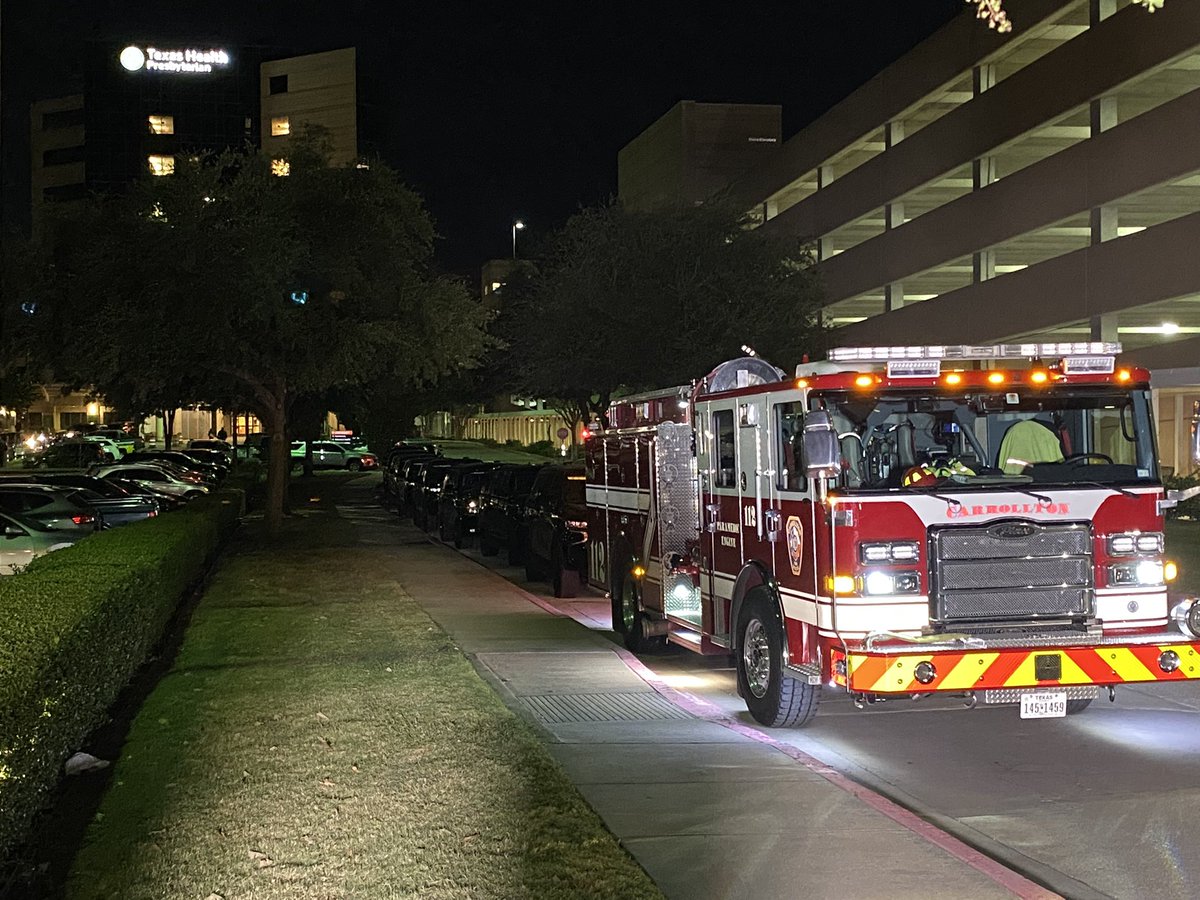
{"points": [[1135, 542], [877, 582], [1144, 573], [1186, 615]]}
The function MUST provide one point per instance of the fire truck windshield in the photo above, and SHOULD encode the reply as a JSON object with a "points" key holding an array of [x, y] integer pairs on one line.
{"points": [[896, 437]]}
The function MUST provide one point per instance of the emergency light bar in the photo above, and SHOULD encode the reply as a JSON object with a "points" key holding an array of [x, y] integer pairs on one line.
{"points": [[966, 352]]}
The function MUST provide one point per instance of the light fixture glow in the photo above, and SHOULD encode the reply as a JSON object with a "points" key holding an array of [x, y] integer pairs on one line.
{"points": [[863, 381], [953, 378], [995, 378], [1039, 377]]}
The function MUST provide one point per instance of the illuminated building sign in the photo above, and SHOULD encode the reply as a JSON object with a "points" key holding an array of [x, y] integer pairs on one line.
{"points": [[189, 61]]}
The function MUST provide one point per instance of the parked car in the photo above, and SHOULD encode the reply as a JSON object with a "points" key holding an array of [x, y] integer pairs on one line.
{"points": [[211, 444], [219, 461], [426, 491], [70, 455], [180, 460], [117, 505], [159, 477], [332, 455], [392, 488], [555, 529], [458, 503], [501, 508], [111, 447], [166, 501], [22, 540], [126, 441], [409, 483], [58, 508]]}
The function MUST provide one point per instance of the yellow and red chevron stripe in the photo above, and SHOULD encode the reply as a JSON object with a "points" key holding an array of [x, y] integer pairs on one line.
{"points": [[978, 670]]}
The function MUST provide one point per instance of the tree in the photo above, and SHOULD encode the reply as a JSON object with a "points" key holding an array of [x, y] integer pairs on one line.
{"points": [[993, 12], [627, 300], [268, 287]]}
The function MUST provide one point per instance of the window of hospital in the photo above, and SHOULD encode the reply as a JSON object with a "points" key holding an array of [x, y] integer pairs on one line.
{"points": [[280, 126], [162, 124], [161, 165]]}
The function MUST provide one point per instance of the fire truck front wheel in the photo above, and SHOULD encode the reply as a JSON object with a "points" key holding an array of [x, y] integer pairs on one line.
{"points": [[773, 698], [627, 616]]}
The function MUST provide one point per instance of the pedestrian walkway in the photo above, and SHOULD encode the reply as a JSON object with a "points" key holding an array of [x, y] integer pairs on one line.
{"points": [[709, 805]]}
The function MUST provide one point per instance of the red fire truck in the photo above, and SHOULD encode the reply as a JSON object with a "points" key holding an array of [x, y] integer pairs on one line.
{"points": [[984, 522]]}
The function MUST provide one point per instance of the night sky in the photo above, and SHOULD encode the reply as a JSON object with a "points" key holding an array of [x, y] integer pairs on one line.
{"points": [[499, 110]]}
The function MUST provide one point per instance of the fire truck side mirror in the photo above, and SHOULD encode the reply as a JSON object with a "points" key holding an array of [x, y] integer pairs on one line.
{"points": [[822, 455]]}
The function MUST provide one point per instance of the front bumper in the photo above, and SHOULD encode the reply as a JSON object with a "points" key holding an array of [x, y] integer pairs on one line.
{"points": [[994, 664]]}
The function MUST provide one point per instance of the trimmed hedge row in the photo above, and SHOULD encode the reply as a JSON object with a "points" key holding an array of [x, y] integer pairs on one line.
{"points": [[76, 626]]}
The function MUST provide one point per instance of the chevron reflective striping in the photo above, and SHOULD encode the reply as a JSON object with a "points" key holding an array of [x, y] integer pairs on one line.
{"points": [[1127, 666], [966, 674]]}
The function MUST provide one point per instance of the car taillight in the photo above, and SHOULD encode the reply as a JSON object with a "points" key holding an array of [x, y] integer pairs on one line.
{"points": [[83, 520], [152, 514]]}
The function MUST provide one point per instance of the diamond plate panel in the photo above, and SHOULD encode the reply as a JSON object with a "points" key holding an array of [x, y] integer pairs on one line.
{"points": [[678, 513], [1013, 695]]}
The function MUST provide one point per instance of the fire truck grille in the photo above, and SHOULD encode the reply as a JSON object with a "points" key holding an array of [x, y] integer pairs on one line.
{"points": [[1010, 572]]}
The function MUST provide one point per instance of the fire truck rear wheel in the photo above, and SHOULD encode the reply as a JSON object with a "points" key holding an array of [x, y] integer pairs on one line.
{"points": [[773, 698]]}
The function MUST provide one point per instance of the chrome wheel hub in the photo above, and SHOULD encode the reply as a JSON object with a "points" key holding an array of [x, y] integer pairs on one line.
{"points": [[756, 658]]}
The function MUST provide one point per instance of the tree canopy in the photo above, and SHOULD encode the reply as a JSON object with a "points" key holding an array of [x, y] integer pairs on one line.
{"points": [[626, 300], [226, 280]]}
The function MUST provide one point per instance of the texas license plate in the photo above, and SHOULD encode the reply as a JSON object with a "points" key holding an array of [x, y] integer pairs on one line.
{"points": [[1044, 705]]}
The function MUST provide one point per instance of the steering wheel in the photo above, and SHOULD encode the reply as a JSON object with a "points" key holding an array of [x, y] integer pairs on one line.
{"points": [[1076, 457]]}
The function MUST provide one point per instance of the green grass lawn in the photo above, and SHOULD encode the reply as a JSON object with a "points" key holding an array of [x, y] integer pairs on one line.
{"points": [[320, 737], [1183, 546]]}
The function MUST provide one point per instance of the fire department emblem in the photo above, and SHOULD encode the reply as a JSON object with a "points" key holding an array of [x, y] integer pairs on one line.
{"points": [[795, 543]]}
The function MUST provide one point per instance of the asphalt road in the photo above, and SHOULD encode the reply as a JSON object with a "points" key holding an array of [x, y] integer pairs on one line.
{"points": [[1098, 804]]}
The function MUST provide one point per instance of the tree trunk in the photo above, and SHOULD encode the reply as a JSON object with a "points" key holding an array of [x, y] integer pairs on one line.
{"points": [[168, 427], [278, 462]]}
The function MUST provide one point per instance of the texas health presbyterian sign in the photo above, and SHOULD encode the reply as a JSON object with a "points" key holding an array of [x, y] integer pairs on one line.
{"points": [[188, 61]]}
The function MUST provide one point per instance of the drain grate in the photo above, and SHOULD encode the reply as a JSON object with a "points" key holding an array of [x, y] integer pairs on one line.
{"points": [[552, 709]]}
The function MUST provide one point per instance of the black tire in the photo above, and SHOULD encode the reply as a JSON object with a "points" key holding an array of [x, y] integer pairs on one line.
{"points": [[566, 579], [486, 546], [533, 571], [516, 550], [355, 465], [629, 620], [773, 698], [1078, 706], [459, 537], [192, 495]]}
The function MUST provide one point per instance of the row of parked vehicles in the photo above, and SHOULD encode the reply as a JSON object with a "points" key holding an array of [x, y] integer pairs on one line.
{"points": [[535, 514], [63, 498]]}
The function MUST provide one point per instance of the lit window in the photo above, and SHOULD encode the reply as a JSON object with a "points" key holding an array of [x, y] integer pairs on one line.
{"points": [[281, 167], [280, 126], [161, 165], [162, 124]]}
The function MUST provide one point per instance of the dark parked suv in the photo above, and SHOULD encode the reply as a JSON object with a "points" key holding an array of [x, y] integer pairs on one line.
{"points": [[458, 503], [555, 529], [72, 455], [501, 509], [425, 496]]}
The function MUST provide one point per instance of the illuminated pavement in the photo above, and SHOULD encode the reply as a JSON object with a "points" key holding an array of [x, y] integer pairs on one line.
{"points": [[1094, 805]]}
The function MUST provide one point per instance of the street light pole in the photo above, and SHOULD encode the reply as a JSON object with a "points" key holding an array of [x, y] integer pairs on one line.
{"points": [[516, 226]]}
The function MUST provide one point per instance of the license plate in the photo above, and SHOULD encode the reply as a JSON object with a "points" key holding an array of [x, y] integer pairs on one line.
{"points": [[1044, 705]]}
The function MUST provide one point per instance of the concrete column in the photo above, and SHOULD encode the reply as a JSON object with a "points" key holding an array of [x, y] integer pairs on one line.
{"points": [[983, 172], [983, 265], [983, 78], [1104, 328], [825, 176], [893, 296], [893, 215], [1099, 10], [1104, 224], [893, 133], [824, 248], [1103, 114]]}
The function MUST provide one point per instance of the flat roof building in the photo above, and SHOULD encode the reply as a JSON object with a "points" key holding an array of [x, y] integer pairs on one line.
{"points": [[1044, 184]]}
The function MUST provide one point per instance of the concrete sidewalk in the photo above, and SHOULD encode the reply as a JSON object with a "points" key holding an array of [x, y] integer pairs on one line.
{"points": [[706, 807]]}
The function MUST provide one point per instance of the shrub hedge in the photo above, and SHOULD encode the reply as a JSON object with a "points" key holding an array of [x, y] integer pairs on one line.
{"points": [[75, 626]]}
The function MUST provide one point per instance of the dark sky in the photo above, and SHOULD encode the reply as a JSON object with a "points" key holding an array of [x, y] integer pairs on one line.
{"points": [[496, 110]]}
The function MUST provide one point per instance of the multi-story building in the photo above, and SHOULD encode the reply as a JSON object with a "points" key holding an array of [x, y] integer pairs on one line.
{"points": [[145, 104], [1039, 185]]}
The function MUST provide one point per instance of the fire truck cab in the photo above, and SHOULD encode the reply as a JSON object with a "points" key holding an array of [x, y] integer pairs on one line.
{"points": [[898, 522]]}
